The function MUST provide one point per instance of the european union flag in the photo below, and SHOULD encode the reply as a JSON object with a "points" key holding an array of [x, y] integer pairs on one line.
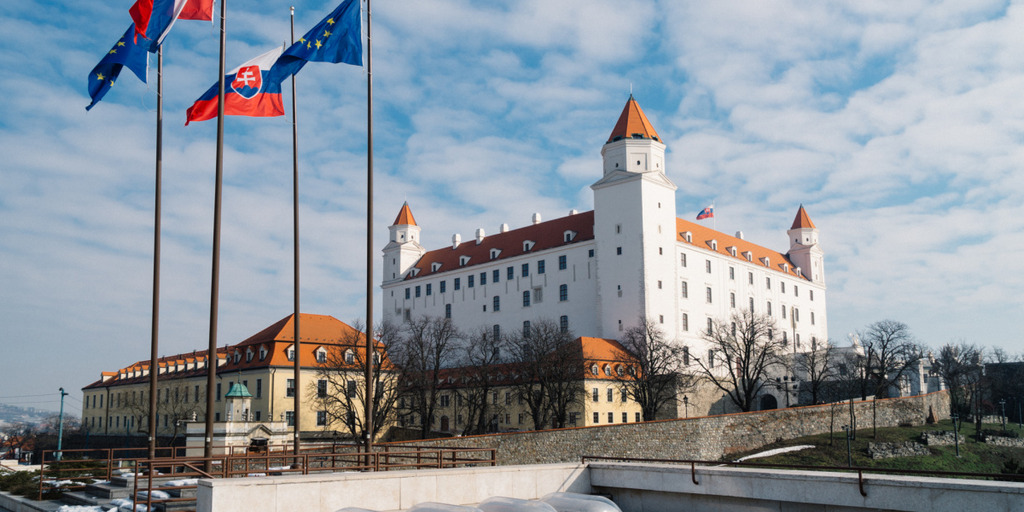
{"points": [[338, 38], [124, 53]]}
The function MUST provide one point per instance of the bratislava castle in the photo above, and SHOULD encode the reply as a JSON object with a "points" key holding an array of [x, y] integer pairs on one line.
{"points": [[597, 273]]}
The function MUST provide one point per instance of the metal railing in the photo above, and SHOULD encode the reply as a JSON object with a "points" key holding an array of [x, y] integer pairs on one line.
{"points": [[78, 468], [861, 471]]}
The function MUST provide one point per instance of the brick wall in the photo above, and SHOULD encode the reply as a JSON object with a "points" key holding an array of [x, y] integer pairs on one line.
{"points": [[705, 438]]}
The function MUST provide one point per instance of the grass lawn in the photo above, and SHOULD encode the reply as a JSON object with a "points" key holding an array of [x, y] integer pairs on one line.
{"points": [[974, 457]]}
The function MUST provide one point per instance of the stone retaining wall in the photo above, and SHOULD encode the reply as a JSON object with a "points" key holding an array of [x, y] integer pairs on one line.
{"points": [[705, 438]]}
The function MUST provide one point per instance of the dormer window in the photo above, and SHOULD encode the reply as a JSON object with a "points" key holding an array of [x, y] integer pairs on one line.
{"points": [[732, 250], [766, 261], [350, 357], [463, 260], [249, 354], [785, 267], [321, 355], [713, 244], [435, 266], [748, 255], [688, 236], [796, 270], [290, 351], [263, 352], [495, 253], [528, 245], [238, 356], [569, 235], [414, 272]]}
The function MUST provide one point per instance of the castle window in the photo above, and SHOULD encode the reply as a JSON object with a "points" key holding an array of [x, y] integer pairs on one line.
{"points": [[563, 323], [483, 278], [711, 358], [510, 273], [408, 291], [540, 267], [710, 326], [463, 260], [684, 289], [525, 268], [708, 294], [526, 329], [469, 280], [528, 245], [497, 331], [714, 245], [768, 283], [769, 308], [496, 306], [526, 299], [682, 259], [686, 322], [686, 356], [561, 262], [495, 253], [447, 310], [321, 355], [249, 354], [707, 266], [434, 267], [350, 357], [569, 236], [782, 286], [750, 278], [812, 317], [496, 275], [659, 284], [563, 293], [458, 283], [618, 251], [428, 289], [443, 286], [812, 294], [590, 253], [796, 291], [751, 304], [417, 291], [661, 319]]}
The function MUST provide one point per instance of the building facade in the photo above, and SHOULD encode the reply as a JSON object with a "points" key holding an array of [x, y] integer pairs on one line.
{"points": [[597, 273], [118, 403]]}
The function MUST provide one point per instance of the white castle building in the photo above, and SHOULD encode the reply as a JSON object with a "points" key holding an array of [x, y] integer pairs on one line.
{"points": [[598, 272]]}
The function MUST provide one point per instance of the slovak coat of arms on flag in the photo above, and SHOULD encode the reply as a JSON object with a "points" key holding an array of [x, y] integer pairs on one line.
{"points": [[248, 81]]}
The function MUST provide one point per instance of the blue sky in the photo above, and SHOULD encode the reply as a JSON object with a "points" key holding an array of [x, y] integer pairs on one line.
{"points": [[899, 126]]}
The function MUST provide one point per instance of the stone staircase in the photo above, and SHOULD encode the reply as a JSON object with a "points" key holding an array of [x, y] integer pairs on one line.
{"points": [[121, 487]]}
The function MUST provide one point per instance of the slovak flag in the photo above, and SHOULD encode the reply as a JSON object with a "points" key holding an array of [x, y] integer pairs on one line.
{"points": [[706, 213], [247, 92]]}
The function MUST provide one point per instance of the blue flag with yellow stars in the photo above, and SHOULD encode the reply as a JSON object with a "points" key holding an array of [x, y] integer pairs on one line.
{"points": [[124, 53], [338, 38]]}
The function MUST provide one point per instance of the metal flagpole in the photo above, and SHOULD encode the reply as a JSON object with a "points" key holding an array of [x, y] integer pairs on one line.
{"points": [[154, 370], [211, 356], [295, 235], [368, 399]]}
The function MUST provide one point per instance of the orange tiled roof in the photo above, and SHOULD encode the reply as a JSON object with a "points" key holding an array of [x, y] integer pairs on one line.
{"points": [[546, 235], [703, 236], [802, 220], [315, 331], [404, 217], [633, 124]]}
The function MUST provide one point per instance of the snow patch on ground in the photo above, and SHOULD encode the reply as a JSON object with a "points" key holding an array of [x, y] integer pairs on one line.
{"points": [[776, 451]]}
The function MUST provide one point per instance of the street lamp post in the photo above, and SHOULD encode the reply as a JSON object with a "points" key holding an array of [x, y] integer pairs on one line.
{"points": [[849, 453], [686, 406], [1002, 403], [956, 434]]}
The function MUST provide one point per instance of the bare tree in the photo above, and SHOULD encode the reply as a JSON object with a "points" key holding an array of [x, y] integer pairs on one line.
{"points": [[481, 357], [890, 353], [426, 346], [656, 374], [817, 368], [343, 394], [740, 353], [548, 370], [959, 365], [173, 409]]}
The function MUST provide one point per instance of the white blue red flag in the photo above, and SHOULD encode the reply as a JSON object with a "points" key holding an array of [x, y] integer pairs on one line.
{"points": [[247, 92], [706, 213], [154, 18]]}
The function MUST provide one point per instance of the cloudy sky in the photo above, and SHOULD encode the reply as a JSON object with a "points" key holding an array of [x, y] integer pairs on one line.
{"points": [[899, 125]]}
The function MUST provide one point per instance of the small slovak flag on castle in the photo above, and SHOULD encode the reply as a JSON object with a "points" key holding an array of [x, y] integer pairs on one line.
{"points": [[706, 213]]}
